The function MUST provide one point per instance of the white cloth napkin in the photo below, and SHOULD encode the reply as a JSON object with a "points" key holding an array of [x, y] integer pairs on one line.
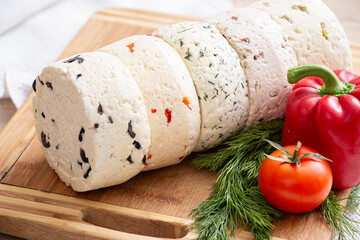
{"points": [[34, 33]]}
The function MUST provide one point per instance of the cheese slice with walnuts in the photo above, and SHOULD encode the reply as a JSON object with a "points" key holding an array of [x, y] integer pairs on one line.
{"points": [[218, 77], [265, 54], [169, 94], [91, 120]]}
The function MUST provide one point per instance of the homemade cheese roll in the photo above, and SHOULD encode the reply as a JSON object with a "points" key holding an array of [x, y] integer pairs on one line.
{"points": [[265, 54], [91, 120], [218, 77], [169, 94], [315, 33]]}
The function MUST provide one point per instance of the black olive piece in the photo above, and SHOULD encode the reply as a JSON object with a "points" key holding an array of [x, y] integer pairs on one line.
{"points": [[53, 120], [130, 131], [110, 119], [129, 159], [83, 156], [86, 174], [42, 114], [34, 85], [79, 75], [49, 85], [80, 163], [96, 125], [57, 147], [76, 58], [81, 134], [137, 144], [144, 159], [100, 109], [42, 83], [45, 143]]}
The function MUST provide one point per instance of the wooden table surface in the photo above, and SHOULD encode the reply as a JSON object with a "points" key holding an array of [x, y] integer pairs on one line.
{"points": [[346, 10]]}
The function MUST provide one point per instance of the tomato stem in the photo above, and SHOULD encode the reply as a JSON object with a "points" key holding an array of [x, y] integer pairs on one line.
{"points": [[295, 159]]}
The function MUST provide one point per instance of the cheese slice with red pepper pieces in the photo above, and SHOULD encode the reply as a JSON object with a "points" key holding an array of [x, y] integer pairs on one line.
{"points": [[169, 94], [218, 77], [265, 54], [315, 33], [91, 120]]}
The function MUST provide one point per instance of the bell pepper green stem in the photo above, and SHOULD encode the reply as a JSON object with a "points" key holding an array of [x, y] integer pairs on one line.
{"points": [[332, 84]]}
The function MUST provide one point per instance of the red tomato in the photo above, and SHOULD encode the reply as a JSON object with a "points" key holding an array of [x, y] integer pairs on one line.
{"points": [[295, 189]]}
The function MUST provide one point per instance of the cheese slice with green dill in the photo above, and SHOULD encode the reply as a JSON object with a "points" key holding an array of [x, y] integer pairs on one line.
{"points": [[218, 77], [315, 33], [266, 55]]}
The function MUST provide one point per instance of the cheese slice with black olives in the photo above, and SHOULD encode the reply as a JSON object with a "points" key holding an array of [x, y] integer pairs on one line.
{"points": [[315, 33], [218, 77], [91, 120], [169, 94], [265, 54]]}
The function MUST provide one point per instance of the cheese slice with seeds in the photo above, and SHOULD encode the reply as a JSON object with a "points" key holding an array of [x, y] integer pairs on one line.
{"points": [[315, 33], [265, 54]]}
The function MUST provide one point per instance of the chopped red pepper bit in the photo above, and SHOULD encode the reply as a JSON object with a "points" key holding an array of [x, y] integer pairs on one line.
{"points": [[130, 46], [181, 158], [186, 102], [153, 110], [149, 156], [185, 147], [168, 115]]}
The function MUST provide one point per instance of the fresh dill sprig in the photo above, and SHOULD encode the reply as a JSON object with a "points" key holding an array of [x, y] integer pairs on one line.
{"points": [[333, 212], [354, 199], [236, 198]]}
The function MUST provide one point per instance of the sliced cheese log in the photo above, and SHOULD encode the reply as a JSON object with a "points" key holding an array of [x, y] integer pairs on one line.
{"points": [[265, 54], [314, 31], [169, 94], [91, 120], [218, 77]]}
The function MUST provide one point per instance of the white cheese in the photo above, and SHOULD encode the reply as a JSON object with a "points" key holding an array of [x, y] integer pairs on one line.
{"points": [[265, 54], [91, 120], [218, 77], [315, 33], [169, 94]]}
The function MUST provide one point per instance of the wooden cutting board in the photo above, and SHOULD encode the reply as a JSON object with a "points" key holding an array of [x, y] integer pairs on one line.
{"points": [[35, 204]]}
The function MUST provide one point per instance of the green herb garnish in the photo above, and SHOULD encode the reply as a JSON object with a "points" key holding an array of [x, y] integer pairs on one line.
{"points": [[333, 212], [236, 198], [201, 54], [286, 18], [323, 31], [354, 201], [188, 54], [299, 7]]}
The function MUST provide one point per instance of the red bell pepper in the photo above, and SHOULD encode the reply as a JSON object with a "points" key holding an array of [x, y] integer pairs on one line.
{"points": [[323, 112]]}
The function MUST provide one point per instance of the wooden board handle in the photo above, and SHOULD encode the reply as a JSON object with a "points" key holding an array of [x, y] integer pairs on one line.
{"points": [[53, 215], [130, 223]]}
